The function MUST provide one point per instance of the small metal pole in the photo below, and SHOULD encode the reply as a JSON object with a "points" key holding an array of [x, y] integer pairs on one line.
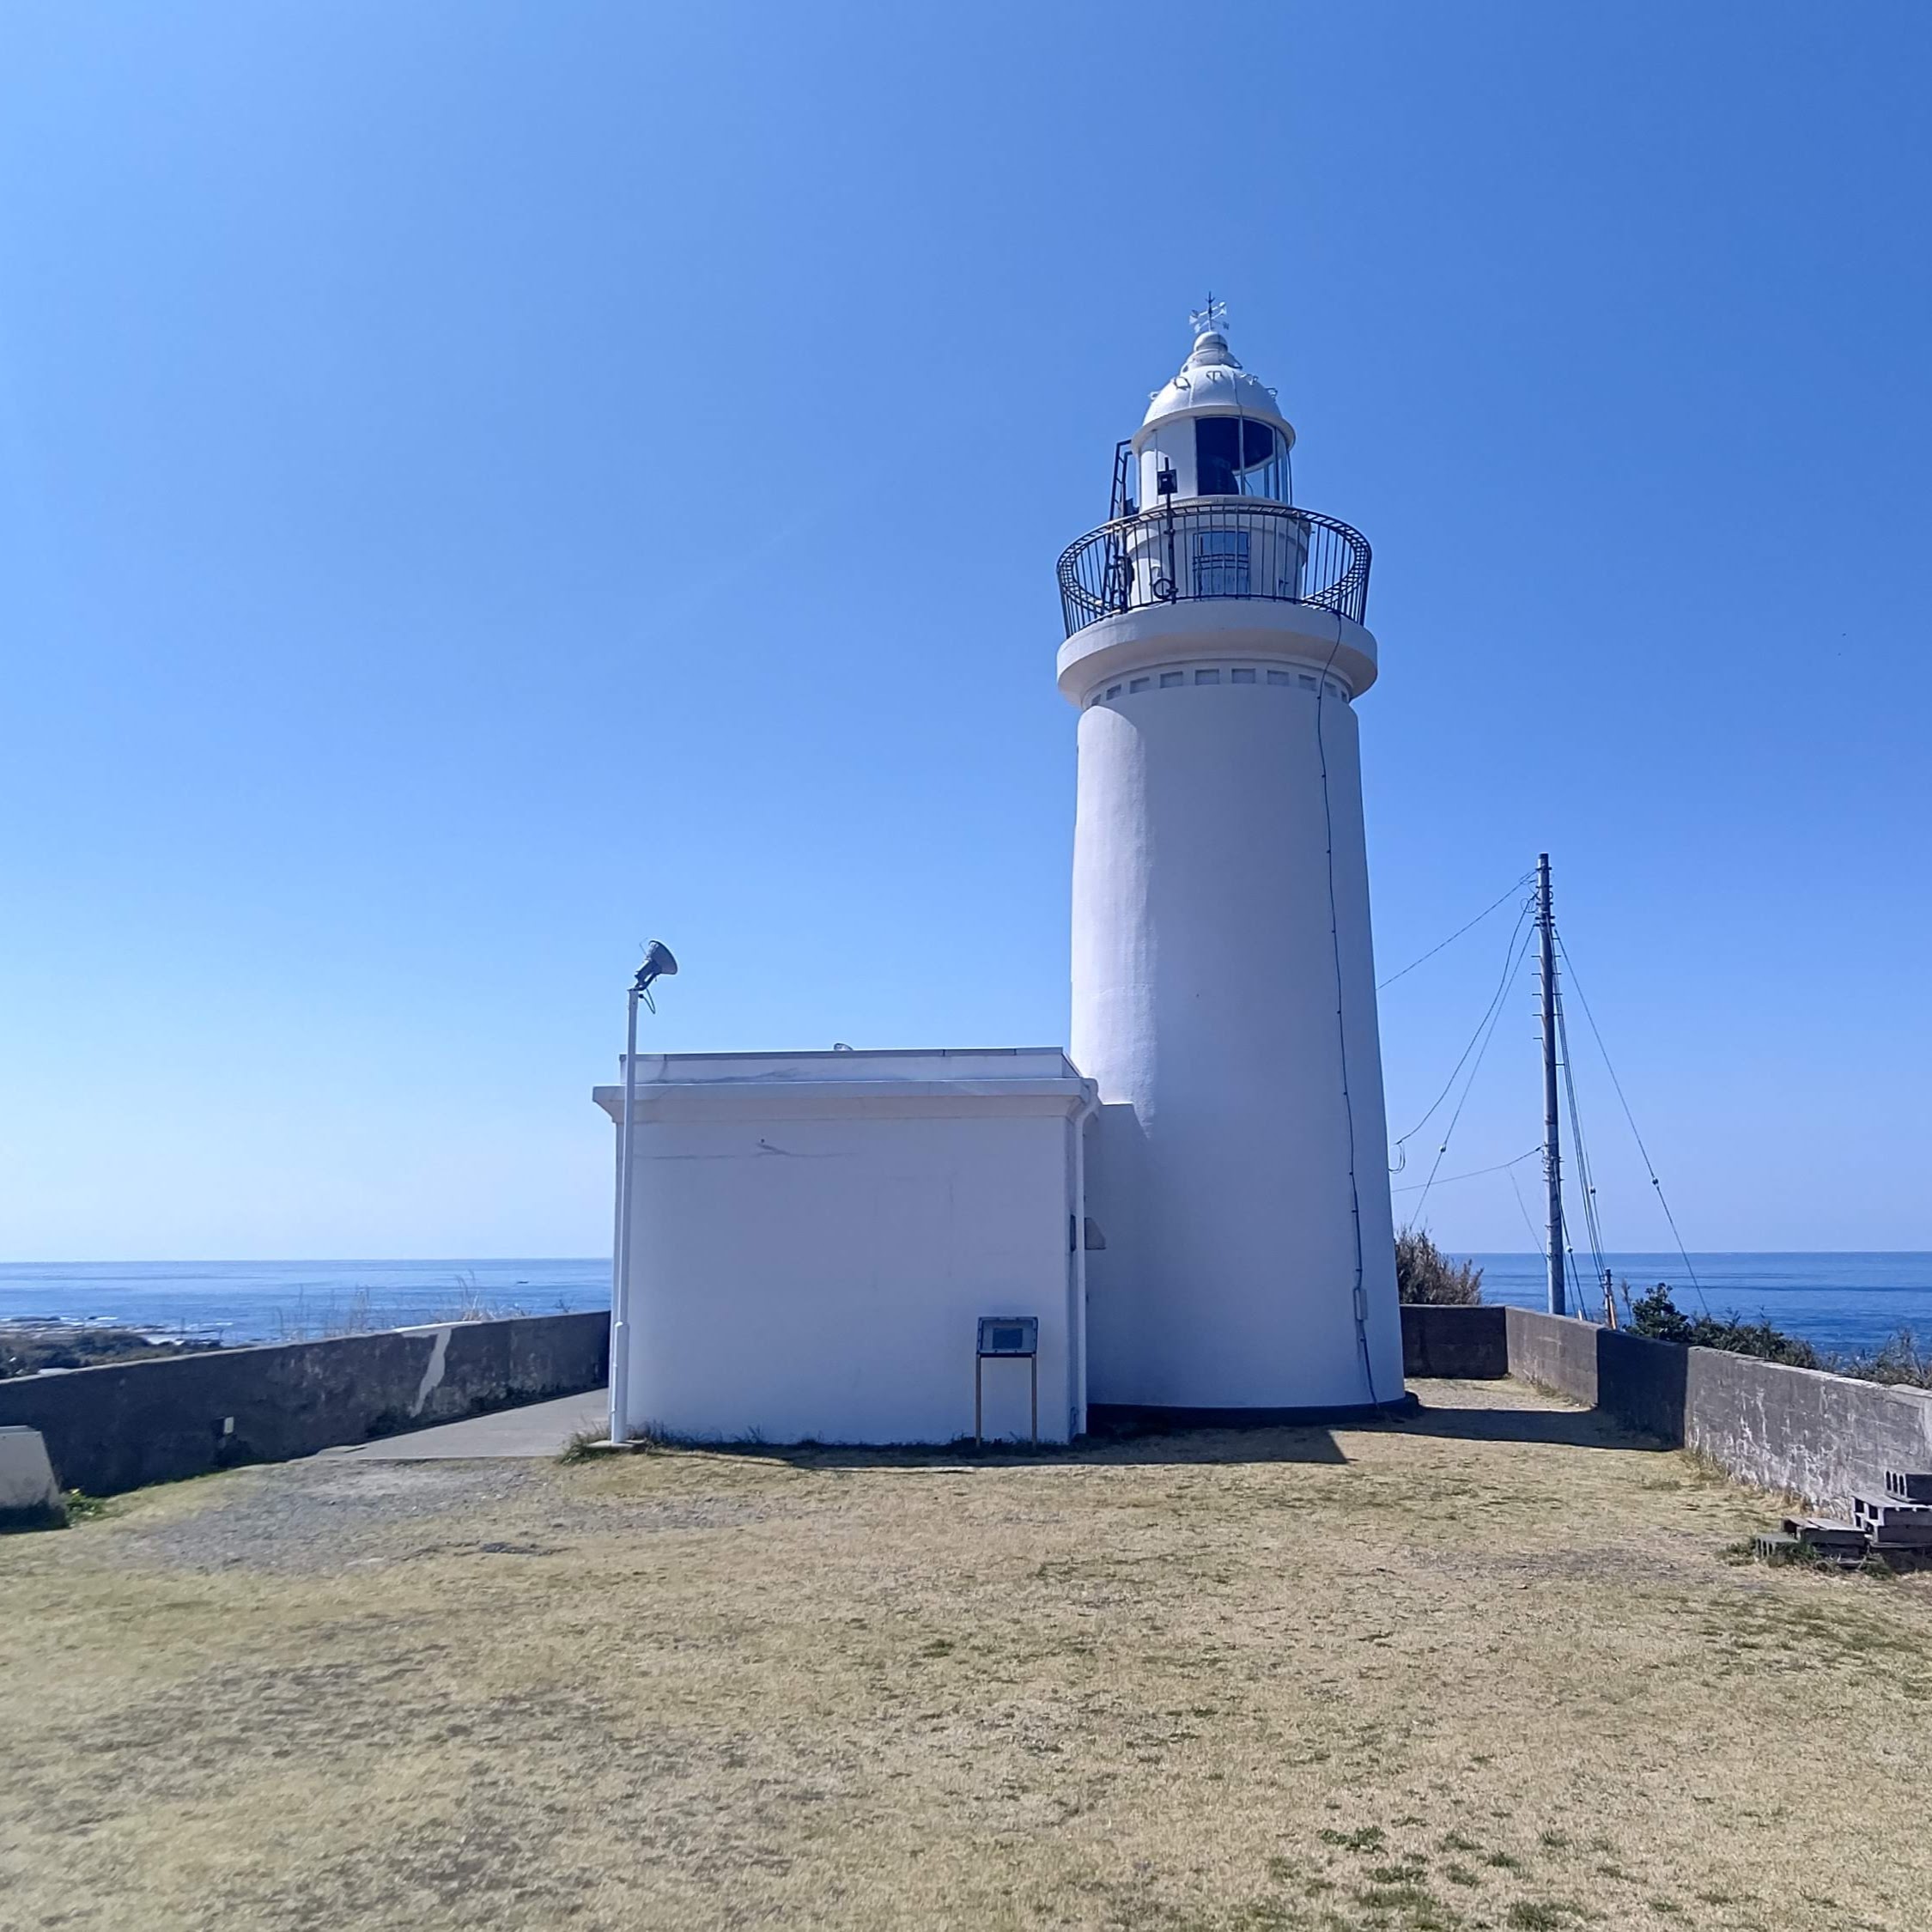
{"points": [[1553, 1150], [979, 1385], [1033, 1362]]}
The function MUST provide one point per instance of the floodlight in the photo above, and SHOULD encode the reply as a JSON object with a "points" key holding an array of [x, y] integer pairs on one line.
{"points": [[659, 963]]}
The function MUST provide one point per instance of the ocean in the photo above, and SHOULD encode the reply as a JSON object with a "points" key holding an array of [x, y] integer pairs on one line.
{"points": [[293, 1300], [1836, 1302]]}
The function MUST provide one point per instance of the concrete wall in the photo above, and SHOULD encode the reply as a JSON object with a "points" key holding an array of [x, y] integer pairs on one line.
{"points": [[1644, 1384], [1471, 1344], [117, 1427], [1822, 1436], [1819, 1436]]}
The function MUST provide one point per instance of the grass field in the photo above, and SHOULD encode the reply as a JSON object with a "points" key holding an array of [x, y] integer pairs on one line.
{"points": [[1495, 1667]]}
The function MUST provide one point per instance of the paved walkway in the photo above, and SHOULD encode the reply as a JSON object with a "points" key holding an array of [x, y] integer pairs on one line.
{"points": [[538, 1430]]}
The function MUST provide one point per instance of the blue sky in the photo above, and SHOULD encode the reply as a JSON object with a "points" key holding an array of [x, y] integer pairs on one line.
{"points": [[483, 484]]}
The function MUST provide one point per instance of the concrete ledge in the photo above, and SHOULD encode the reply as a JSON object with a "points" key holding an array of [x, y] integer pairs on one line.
{"points": [[1259, 629], [118, 1428]]}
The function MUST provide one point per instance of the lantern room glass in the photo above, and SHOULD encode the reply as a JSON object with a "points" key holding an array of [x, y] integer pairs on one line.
{"points": [[1235, 456]]}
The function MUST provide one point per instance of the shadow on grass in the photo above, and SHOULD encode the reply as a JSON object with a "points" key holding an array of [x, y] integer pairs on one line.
{"points": [[1570, 1428], [1574, 1428], [1191, 1446], [1136, 1439]]}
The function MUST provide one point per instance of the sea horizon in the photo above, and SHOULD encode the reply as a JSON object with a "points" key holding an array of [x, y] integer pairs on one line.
{"points": [[1838, 1299]]}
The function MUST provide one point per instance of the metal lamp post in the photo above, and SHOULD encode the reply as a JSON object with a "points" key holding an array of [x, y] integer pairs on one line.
{"points": [[657, 964]]}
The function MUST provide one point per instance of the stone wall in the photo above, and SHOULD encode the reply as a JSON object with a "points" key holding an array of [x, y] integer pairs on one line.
{"points": [[116, 1428]]}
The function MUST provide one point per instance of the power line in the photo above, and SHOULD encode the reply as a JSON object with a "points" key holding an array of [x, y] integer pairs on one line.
{"points": [[1474, 1173], [1650, 1166], [1384, 984], [1535, 1239], [1569, 1249], [1592, 1227], [1503, 987], [1495, 1015]]}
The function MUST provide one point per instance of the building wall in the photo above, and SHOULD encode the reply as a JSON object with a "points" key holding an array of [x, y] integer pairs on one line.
{"points": [[119, 1427], [812, 1267], [1205, 1000]]}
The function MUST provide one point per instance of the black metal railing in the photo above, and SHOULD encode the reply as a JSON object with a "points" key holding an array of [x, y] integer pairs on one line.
{"points": [[1215, 546]]}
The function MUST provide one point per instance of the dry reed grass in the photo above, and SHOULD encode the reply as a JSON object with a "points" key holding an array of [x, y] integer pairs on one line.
{"points": [[1438, 1676]]}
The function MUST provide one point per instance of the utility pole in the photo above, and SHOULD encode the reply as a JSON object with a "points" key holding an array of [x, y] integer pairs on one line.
{"points": [[1553, 1150]]}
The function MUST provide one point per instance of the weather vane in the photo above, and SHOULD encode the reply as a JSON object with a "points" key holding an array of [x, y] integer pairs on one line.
{"points": [[1211, 318]]}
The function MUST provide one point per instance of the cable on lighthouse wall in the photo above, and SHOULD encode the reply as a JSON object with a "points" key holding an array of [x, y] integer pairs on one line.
{"points": [[1359, 1300]]}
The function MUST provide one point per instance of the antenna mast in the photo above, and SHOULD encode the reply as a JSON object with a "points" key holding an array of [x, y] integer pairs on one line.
{"points": [[1553, 1149]]}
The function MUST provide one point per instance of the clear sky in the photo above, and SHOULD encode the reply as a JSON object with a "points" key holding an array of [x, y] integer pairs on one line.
{"points": [[483, 484]]}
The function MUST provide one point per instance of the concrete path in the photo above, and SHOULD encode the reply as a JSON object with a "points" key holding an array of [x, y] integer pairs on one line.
{"points": [[541, 1429]]}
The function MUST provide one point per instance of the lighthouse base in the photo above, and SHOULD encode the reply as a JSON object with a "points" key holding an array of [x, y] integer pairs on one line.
{"points": [[1142, 1418]]}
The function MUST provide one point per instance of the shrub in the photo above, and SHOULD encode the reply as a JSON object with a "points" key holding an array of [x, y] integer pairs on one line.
{"points": [[1658, 1317], [1901, 1361], [1424, 1274]]}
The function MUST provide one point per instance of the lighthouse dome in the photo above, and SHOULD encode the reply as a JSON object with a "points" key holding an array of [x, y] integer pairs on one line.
{"points": [[1211, 382], [1213, 430]]}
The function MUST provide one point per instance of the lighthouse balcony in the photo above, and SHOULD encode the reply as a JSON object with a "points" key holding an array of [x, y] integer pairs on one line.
{"points": [[1215, 548]]}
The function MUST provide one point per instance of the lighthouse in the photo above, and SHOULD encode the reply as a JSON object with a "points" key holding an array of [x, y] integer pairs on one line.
{"points": [[1224, 1003], [1182, 1221]]}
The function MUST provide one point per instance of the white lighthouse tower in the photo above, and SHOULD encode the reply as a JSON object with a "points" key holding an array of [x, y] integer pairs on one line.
{"points": [[1224, 981]]}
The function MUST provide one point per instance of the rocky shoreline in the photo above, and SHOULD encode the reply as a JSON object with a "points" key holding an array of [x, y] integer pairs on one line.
{"points": [[35, 1345]]}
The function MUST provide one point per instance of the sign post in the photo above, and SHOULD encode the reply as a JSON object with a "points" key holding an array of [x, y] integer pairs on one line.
{"points": [[1003, 1336]]}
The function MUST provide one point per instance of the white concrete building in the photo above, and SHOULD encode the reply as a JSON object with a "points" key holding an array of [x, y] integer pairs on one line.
{"points": [[1191, 1215], [816, 1237]]}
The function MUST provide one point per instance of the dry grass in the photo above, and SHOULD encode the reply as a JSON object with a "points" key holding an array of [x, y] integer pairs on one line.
{"points": [[1435, 1677]]}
